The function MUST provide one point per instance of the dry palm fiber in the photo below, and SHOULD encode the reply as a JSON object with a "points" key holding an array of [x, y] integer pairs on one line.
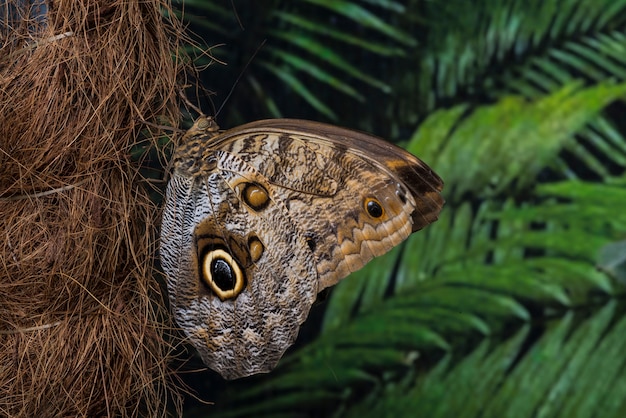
{"points": [[81, 317]]}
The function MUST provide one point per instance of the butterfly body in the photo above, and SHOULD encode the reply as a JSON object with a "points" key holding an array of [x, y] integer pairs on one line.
{"points": [[260, 218]]}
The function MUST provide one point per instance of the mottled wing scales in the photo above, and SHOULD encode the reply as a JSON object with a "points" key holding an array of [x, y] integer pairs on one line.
{"points": [[327, 198], [312, 227], [283, 163]]}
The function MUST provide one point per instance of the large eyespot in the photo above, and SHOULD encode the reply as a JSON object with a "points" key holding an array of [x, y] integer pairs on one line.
{"points": [[222, 274], [256, 248], [373, 207], [255, 196]]}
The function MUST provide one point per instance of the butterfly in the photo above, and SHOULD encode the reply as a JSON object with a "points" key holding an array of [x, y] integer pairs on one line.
{"points": [[260, 218]]}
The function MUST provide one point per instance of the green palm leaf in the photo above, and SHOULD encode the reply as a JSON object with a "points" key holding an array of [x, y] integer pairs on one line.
{"points": [[527, 48], [469, 154], [304, 52], [498, 309], [492, 302], [569, 371], [486, 49]]}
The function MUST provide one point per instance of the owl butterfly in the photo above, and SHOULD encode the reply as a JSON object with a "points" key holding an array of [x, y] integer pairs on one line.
{"points": [[260, 218]]}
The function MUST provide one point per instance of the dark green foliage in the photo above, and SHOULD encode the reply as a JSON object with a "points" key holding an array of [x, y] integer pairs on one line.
{"points": [[512, 304], [311, 52], [491, 309]]}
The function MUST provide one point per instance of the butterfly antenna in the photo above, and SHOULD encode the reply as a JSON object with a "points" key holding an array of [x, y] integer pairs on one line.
{"points": [[230, 93], [188, 103], [162, 127], [232, 3]]}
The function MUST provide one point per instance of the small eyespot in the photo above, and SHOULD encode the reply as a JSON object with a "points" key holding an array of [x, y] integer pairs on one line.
{"points": [[255, 196], [222, 274], [256, 248], [374, 208]]}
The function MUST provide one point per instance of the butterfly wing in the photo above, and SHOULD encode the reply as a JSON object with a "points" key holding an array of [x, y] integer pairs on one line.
{"points": [[329, 174], [260, 218]]}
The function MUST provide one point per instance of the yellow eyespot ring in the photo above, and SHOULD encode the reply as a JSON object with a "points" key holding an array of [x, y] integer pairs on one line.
{"points": [[222, 273], [373, 208]]}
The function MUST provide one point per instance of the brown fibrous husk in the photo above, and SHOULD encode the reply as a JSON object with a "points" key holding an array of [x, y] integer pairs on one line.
{"points": [[83, 324]]}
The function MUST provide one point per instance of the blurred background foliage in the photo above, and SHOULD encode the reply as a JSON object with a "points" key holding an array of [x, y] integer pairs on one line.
{"points": [[512, 304]]}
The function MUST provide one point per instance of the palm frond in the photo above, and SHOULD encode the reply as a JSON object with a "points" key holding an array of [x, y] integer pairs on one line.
{"points": [[499, 306], [528, 48], [482, 50], [305, 50], [572, 368], [526, 134], [514, 141], [486, 275], [364, 17], [412, 341]]}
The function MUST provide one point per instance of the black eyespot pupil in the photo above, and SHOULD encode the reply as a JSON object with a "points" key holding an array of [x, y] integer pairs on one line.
{"points": [[374, 209], [223, 275]]}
